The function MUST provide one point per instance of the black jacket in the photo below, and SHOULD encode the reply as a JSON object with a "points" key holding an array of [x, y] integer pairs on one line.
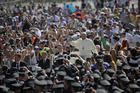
{"points": [[45, 64]]}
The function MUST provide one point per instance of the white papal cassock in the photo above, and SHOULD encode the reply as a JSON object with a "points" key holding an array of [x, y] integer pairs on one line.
{"points": [[86, 47]]}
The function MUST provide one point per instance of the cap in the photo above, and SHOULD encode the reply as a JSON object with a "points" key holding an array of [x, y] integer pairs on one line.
{"points": [[106, 77], [117, 88], [118, 63], [4, 89], [58, 86], [110, 71], [125, 80], [41, 77], [2, 77], [49, 82], [134, 86], [48, 70], [117, 91], [126, 67], [17, 85], [10, 80], [68, 78], [41, 82], [101, 91], [105, 83], [61, 73], [122, 76], [97, 76], [75, 84], [97, 71], [16, 75]]}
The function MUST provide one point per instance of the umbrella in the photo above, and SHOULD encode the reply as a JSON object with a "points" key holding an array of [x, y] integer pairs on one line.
{"points": [[79, 13], [71, 7]]}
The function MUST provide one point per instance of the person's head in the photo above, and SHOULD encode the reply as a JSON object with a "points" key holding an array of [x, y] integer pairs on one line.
{"points": [[116, 39], [107, 58], [83, 35], [4, 68], [98, 48], [122, 35], [59, 48], [44, 54], [17, 57]]}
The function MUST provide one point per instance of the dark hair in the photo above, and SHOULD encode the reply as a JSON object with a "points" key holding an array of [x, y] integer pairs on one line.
{"points": [[4, 68], [107, 58]]}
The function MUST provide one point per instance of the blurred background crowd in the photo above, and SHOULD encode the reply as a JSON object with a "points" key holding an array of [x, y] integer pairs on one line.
{"points": [[70, 48]]}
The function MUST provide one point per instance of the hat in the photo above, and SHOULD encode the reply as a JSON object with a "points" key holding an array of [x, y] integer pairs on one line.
{"points": [[40, 82], [101, 91], [134, 86], [2, 77], [96, 76], [105, 83], [126, 67], [68, 78], [118, 63], [61, 73], [18, 84], [110, 71], [58, 86], [75, 84], [10, 80], [98, 72], [48, 70], [49, 82], [41, 77], [125, 80], [16, 75], [3, 89], [106, 77], [117, 88]]}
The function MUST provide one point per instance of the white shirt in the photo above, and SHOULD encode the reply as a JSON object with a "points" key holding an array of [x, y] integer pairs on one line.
{"points": [[129, 37], [86, 47], [136, 38], [33, 59], [115, 29]]}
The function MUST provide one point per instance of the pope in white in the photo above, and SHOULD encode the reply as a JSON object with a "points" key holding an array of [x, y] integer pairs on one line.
{"points": [[86, 46]]}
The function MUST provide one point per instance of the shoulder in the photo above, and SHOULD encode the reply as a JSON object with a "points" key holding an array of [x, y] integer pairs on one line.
{"points": [[47, 59], [22, 63], [89, 40], [13, 63]]}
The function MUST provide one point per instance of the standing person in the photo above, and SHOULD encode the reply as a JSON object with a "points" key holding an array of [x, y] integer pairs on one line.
{"points": [[123, 15], [44, 63], [86, 46], [17, 64]]}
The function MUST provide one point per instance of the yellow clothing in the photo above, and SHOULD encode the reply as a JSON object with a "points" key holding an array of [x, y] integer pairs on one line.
{"points": [[133, 19], [113, 65]]}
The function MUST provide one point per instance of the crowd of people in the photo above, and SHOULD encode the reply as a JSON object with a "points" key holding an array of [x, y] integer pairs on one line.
{"points": [[62, 50]]}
